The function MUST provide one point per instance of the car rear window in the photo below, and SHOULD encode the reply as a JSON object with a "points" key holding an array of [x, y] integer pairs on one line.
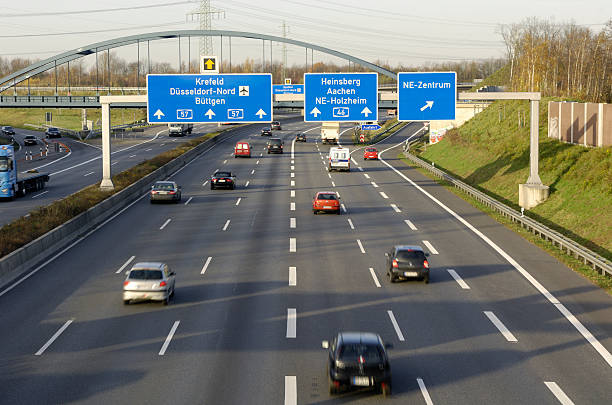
{"points": [[327, 197], [275, 142], [410, 255], [223, 174], [163, 187], [146, 275], [242, 146], [352, 351]]}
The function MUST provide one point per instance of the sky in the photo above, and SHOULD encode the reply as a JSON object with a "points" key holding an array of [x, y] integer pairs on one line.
{"points": [[410, 33]]}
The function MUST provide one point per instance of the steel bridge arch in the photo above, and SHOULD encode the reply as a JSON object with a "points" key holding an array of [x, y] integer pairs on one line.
{"points": [[19, 76]]}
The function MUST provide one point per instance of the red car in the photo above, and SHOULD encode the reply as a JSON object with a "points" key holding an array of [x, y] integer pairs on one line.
{"points": [[370, 153], [326, 201], [242, 149]]}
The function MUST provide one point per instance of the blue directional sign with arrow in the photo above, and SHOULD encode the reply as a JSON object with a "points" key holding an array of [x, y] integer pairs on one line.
{"points": [[340, 97], [426, 96], [205, 98]]}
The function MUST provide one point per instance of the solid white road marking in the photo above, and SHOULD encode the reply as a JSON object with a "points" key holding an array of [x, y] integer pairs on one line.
{"points": [[333, 184], [247, 184], [383, 195], [374, 277], [292, 206], [292, 245], [291, 323], [127, 262], [188, 200], [558, 392], [500, 326], [88, 174], [351, 223], [292, 193], [343, 207], [458, 279], [205, 183], [206, 265], [238, 201], [293, 149], [253, 171], [292, 276], [360, 246], [165, 223], [169, 338], [290, 390], [395, 208], [38, 195], [226, 224], [292, 223], [410, 224], [424, 391], [395, 326], [430, 247], [55, 336], [367, 176], [353, 160], [292, 183]]}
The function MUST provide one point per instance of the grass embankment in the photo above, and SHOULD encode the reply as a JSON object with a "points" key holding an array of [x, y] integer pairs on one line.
{"points": [[500, 77], [25, 229], [494, 157], [69, 118], [372, 135]]}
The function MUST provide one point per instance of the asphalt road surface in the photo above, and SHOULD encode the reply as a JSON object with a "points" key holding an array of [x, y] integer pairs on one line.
{"points": [[261, 281]]}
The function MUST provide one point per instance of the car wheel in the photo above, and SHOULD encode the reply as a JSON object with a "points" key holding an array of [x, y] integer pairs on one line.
{"points": [[386, 390], [152, 202], [126, 302], [233, 187], [167, 300], [338, 212], [212, 187], [426, 279], [332, 388], [314, 212]]}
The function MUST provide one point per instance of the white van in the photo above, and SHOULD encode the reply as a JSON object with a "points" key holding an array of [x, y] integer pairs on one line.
{"points": [[339, 159]]}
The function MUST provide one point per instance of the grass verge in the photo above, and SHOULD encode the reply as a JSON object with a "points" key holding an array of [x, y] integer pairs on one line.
{"points": [[40, 221], [573, 263], [375, 136]]}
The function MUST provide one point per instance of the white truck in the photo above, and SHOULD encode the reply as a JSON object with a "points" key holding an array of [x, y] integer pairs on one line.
{"points": [[339, 159], [179, 129], [330, 132]]}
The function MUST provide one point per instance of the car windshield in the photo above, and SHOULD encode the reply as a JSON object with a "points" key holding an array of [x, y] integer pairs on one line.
{"points": [[3, 164], [266, 129], [327, 197], [223, 174], [164, 186], [53, 129], [8, 128], [410, 255], [30, 137], [146, 275], [351, 352], [276, 123], [371, 150]]}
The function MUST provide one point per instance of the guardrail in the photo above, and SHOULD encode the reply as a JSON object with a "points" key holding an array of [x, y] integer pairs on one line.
{"points": [[574, 249]]}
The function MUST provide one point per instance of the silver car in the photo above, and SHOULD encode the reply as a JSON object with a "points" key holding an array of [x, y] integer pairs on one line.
{"points": [[165, 191], [149, 281]]}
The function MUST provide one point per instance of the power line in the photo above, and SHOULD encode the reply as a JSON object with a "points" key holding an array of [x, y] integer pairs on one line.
{"points": [[101, 10], [50, 34]]}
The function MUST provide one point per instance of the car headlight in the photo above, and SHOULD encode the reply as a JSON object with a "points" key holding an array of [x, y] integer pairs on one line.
{"points": [[339, 364]]}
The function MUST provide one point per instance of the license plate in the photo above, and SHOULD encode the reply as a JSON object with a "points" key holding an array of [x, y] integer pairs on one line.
{"points": [[411, 273], [163, 192], [327, 207], [361, 381], [221, 181]]}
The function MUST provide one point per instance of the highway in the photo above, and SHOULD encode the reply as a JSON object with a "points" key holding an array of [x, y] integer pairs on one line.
{"points": [[261, 281]]}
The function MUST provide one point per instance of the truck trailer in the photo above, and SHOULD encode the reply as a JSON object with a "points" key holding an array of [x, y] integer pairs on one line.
{"points": [[330, 132], [12, 183]]}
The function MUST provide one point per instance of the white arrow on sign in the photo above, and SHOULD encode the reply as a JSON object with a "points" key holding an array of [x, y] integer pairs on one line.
{"points": [[428, 104], [366, 111], [315, 111], [158, 114], [209, 114], [260, 113]]}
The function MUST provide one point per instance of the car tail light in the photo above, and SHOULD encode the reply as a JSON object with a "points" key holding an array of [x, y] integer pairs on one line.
{"points": [[172, 192], [395, 264], [153, 192], [162, 284], [126, 282], [425, 264], [361, 359]]}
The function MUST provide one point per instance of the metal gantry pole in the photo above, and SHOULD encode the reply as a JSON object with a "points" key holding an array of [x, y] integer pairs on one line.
{"points": [[263, 55], [534, 145], [221, 48], [189, 54], [97, 79], [306, 64], [149, 56], [271, 64], [69, 78], [107, 182], [55, 64], [108, 68], [230, 51], [179, 46]]}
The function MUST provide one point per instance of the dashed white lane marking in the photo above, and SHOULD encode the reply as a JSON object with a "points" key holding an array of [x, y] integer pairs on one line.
{"points": [[360, 246], [374, 184], [353, 160], [253, 171], [55, 336], [225, 161], [226, 224], [292, 276], [458, 279], [292, 167], [257, 162], [383, 195], [292, 206], [131, 156], [247, 184], [351, 223], [343, 207], [292, 193], [164, 347], [333, 184], [395, 326], [189, 200], [373, 273], [292, 183], [292, 161], [165, 223], [424, 391], [367, 176], [292, 245], [261, 154], [410, 224], [329, 175], [206, 265], [558, 392], [292, 174], [88, 174], [127, 262], [291, 323], [238, 201], [205, 183], [500, 326], [290, 390], [360, 168], [292, 223], [162, 144], [114, 163], [430, 247], [148, 150], [395, 208], [39, 194]]}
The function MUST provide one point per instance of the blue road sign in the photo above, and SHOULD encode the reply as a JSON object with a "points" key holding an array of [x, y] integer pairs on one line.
{"points": [[209, 98], [426, 96], [288, 89], [370, 127], [340, 97]]}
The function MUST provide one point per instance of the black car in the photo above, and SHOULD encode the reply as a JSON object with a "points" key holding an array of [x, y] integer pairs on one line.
{"points": [[358, 360], [53, 132], [276, 125], [30, 140], [223, 180], [8, 130], [407, 262], [275, 145], [300, 138], [266, 132]]}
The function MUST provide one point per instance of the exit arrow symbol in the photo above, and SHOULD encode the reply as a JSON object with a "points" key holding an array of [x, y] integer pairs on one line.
{"points": [[260, 113], [158, 114], [366, 111], [428, 104], [209, 114], [315, 111]]}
